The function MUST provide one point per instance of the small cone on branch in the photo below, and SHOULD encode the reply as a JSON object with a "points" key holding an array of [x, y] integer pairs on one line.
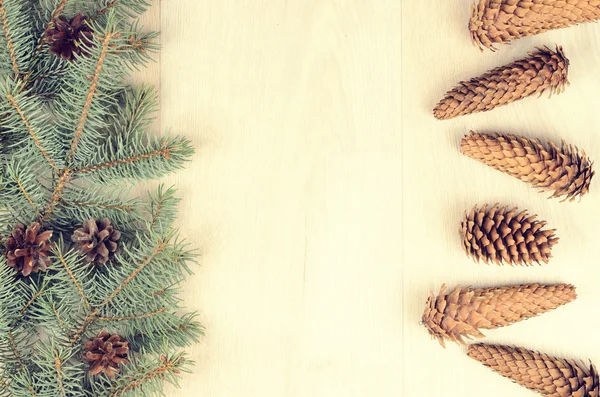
{"points": [[562, 170], [464, 311], [67, 37], [502, 21], [105, 353], [97, 240], [28, 249], [549, 376], [542, 70], [505, 236]]}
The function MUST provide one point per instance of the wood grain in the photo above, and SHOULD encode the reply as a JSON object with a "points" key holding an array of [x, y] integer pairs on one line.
{"points": [[325, 197], [294, 196]]}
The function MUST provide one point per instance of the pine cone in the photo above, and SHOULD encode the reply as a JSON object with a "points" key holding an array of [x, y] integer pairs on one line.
{"points": [[66, 37], [97, 240], [561, 170], [27, 250], [463, 312], [105, 353], [541, 373], [500, 235], [543, 70], [501, 21]]}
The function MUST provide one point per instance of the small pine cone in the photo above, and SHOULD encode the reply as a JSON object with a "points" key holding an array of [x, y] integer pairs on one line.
{"points": [[27, 250], [501, 21], [105, 353], [66, 37], [499, 235], [97, 240], [463, 312], [562, 170], [541, 373], [543, 70]]}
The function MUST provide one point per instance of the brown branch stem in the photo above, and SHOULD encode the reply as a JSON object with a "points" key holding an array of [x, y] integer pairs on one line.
{"points": [[90, 96], [157, 372], [9, 40]]}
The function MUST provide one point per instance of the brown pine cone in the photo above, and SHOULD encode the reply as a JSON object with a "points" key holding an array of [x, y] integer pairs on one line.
{"points": [[541, 373], [66, 37], [543, 70], [97, 240], [105, 353], [27, 250], [463, 312], [501, 21], [562, 170], [502, 236]]}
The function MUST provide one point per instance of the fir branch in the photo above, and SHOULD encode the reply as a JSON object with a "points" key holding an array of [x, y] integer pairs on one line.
{"points": [[91, 92], [100, 205], [91, 317], [30, 302], [61, 322], [107, 8], [78, 285], [56, 195], [159, 248], [162, 152], [15, 350], [31, 131], [167, 366], [8, 38], [133, 317], [27, 195], [59, 375]]}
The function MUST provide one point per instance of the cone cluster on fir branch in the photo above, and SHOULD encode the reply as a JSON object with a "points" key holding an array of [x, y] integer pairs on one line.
{"points": [[464, 311], [502, 21], [562, 170], [506, 236], [543, 70], [28, 249], [541, 373]]}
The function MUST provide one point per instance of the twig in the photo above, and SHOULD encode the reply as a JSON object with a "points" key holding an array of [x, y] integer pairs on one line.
{"points": [[90, 95], [164, 151], [74, 279], [134, 317], [9, 41]]}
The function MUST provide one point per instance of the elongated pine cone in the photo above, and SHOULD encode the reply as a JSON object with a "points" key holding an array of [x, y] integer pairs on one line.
{"points": [[542, 70], [504, 236], [541, 373], [562, 170], [105, 353], [97, 240], [502, 21], [463, 312], [28, 249]]}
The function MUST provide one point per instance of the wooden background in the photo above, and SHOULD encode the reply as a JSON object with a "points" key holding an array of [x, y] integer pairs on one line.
{"points": [[325, 197]]}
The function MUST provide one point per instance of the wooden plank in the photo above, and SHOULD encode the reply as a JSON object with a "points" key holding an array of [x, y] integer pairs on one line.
{"points": [[294, 196]]}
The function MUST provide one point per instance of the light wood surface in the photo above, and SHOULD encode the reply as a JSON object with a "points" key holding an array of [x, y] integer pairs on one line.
{"points": [[325, 197]]}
